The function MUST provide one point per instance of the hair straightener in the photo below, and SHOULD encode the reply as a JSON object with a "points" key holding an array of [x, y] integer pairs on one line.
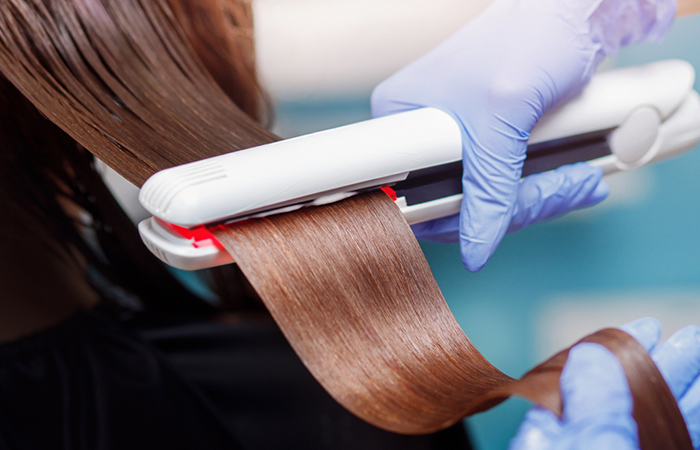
{"points": [[623, 119]]}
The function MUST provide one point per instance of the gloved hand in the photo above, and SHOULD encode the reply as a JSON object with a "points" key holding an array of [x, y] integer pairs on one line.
{"points": [[597, 401], [497, 76]]}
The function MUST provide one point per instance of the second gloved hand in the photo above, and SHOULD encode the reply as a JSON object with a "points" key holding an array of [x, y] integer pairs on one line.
{"points": [[597, 401], [497, 76]]}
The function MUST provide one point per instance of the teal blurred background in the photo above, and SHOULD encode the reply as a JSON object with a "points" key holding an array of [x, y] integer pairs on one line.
{"points": [[636, 254]]}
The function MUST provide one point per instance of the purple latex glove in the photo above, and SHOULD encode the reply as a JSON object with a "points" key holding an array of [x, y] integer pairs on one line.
{"points": [[497, 76], [597, 400]]}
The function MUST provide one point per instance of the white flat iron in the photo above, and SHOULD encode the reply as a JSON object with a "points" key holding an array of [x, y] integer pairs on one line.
{"points": [[624, 119]]}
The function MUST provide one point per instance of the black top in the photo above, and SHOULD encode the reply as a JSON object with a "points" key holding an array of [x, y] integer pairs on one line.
{"points": [[105, 380]]}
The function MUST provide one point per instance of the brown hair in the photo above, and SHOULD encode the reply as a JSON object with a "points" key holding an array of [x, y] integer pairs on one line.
{"points": [[123, 81], [351, 290], [83, 68], [347, 283]]}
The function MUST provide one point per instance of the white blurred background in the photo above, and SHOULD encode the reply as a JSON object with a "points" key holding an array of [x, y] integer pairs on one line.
{"points": [[313, 49]]}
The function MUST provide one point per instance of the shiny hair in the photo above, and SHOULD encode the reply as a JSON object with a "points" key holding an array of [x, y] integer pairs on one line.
{"points": [[142, 85]]}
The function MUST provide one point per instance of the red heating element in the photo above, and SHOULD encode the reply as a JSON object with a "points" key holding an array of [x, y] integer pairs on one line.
{"points": [[200, 236]]}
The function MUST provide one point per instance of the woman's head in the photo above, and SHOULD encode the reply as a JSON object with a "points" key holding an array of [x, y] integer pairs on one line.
{"points": [[143, 85]]}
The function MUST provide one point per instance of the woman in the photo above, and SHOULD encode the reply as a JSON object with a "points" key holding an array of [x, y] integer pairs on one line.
{"points": [[102, 347]]}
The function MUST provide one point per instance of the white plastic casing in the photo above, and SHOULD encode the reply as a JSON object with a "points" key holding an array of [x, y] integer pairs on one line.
{"points": [[611, 96], [652, 108], [178, 251], [633, 146], [357, 156]]}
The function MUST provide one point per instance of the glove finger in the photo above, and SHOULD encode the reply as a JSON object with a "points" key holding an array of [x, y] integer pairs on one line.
{"points": [[646, 331], [539, 430], [597, 401], [444, 230], [678, 359], [490, 186], [593, 384], [551, 194], [689, 405]]}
